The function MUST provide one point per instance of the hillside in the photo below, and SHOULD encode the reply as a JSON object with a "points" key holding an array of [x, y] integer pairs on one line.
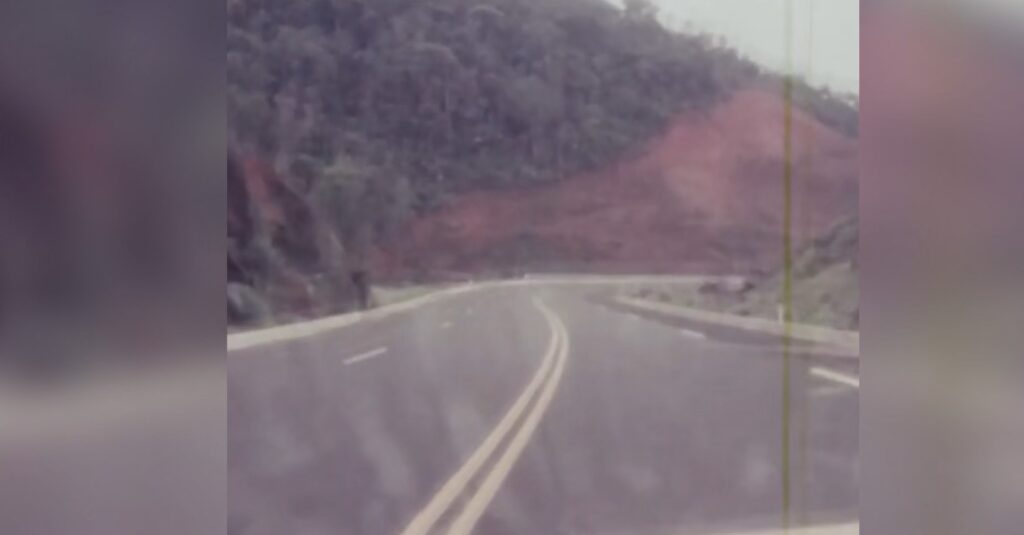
{"points": [[363, 132], [826, 285], [826, 282], [705, 196]]}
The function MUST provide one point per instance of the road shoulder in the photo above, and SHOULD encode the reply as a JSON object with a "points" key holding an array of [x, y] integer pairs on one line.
{"points": [[836, 342]]}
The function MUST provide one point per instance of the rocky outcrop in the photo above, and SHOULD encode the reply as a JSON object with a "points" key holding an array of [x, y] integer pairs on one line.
{"points": [[283, 260]]}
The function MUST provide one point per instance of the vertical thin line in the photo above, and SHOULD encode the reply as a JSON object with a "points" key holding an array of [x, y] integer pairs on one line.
{"points": [[806, 231], [787, 258]]}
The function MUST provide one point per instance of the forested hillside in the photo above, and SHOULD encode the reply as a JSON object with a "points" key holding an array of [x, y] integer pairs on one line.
{"points": [[704, 196], [370, 112], [418, 99]]}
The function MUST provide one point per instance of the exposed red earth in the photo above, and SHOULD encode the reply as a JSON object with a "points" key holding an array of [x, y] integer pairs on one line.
{"points": [[705, 196]]}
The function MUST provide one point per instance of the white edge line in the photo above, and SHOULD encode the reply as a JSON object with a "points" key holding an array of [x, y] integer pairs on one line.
{"points": [[281, 333], [826, 373], [292, 331], [833, 529], [365, 356]]}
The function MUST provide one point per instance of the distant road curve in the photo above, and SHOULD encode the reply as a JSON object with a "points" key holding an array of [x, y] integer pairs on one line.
{"points": [[292, 331]]}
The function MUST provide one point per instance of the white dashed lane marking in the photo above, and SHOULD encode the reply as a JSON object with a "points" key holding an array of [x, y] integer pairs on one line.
{"points": [[366, 356]]}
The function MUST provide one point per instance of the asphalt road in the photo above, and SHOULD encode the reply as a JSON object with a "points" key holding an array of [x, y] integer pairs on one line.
{"points": [[534, 409]]}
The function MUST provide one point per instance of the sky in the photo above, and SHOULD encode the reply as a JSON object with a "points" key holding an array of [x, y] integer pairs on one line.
{"points": [[826, 34]]}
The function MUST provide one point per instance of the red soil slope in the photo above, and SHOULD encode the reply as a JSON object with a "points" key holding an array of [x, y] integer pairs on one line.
{"points": [[706, 196]]}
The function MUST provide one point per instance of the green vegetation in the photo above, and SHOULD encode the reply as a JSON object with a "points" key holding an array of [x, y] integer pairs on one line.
{"points": [[826, 285], [365, 113], [383, 108], [826, 289]]}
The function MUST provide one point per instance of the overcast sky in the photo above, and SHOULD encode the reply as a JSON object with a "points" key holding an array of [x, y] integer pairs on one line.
{"points": [[826, 33]]}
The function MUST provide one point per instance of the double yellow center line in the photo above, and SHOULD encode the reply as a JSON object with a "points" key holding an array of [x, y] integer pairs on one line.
{"points": [[520, 422]]}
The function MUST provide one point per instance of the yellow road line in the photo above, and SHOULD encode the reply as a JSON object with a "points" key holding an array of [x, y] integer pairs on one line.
{"points": [[424, 521], [471, 514]]}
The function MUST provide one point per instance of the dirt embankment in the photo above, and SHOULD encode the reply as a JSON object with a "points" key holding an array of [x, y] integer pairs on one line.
{"points": [[825, 285], [705, 196]]}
